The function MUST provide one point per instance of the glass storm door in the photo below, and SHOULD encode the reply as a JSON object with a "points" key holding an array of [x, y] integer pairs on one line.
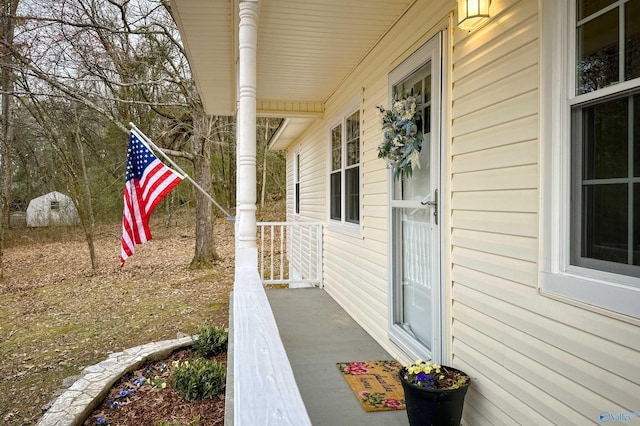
{"points": [[415, 238]]}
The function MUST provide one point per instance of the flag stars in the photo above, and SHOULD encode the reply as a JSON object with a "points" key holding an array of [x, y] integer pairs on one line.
{"points": [[139, 158], [137, 207]]}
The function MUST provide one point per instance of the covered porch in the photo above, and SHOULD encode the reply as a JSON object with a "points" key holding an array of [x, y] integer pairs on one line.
{"points": [[277, 58], [317, 333]]}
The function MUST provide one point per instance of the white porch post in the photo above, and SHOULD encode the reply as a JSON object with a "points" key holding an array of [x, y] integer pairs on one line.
{"points": [[264, 388], [246, 250]]}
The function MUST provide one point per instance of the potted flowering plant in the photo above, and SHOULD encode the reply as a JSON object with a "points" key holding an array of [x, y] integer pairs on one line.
{"points": [[434, 394], [402, 138]]}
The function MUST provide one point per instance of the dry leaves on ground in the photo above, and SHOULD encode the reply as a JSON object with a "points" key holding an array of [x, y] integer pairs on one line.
{"points": [[152, 404], [57, 315]]}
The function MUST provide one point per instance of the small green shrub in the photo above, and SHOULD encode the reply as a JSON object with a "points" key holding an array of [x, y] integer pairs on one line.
{"points": [[212, 340], [199, 379]]}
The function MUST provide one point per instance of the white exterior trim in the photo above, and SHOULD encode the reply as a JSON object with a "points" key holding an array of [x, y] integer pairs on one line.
{"points": [[246, 178], [353, 106], [264, 390], [396, 334], [613, 292]]}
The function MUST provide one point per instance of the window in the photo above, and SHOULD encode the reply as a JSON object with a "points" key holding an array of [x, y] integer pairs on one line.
{"points": [[605, 131], [344, 177], [591, 152], [296, 181], [55, 205], [606, 185]]}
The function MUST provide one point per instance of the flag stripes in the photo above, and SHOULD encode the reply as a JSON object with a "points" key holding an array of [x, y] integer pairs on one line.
{"points": [[148, 181]]}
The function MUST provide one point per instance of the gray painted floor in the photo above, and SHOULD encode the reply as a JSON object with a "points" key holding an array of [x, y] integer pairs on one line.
{"points": [[317, 333]]}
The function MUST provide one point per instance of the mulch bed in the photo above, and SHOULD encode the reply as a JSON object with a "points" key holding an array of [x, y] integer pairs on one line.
{"points": [[152, 403]]}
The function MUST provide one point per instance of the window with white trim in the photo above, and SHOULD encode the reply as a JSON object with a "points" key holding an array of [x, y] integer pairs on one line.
{"points": [[296, 182], [592, 152], [344, 174], [605, 170]]}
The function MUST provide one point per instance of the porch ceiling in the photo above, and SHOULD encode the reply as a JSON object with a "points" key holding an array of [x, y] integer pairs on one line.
{"points": [[305, 50]]}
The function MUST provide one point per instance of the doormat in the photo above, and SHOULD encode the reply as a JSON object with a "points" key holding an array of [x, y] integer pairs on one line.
{"points": [[375, 384]]}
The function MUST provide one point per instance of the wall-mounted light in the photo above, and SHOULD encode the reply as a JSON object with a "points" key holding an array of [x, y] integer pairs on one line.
{"points": [[472, 13]]}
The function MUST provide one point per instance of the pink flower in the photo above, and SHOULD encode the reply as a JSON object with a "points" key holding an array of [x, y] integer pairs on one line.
{"points": [[356, 370], [392, 403], [362, 364], [363, 393]]}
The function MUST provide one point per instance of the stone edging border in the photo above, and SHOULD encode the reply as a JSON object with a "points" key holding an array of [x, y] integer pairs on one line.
{"points": [[77, 402]]}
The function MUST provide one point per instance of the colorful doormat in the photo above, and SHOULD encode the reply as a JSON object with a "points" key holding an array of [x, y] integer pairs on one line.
{"points": [[375, 384]]}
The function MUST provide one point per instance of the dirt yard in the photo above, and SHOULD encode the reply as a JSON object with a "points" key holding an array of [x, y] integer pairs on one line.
{"points": [[57, 315]]}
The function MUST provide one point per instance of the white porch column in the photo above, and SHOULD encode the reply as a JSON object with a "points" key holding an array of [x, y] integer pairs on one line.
{"points": [[246, 249]]}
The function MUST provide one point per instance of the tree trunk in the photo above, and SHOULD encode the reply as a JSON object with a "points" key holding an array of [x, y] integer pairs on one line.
{"points": [[8, 12], [205, 253], [84, 198], [264, 164], [232, 172], [171, 208]]}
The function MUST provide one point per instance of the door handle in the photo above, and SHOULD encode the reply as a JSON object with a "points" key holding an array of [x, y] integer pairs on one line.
{"points": [[433, 203]]}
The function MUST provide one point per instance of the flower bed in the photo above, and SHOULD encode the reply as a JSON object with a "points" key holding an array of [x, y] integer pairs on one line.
{"points": [[147, 396]]}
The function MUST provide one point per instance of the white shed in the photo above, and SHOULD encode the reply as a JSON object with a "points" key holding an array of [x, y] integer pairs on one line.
{"points": [[53, 208]]}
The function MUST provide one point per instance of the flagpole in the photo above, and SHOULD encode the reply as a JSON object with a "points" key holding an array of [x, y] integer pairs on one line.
{"points": [[206, 194]]}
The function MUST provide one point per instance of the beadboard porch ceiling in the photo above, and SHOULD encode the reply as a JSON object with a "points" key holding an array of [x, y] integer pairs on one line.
{"points": [[305, 50]]}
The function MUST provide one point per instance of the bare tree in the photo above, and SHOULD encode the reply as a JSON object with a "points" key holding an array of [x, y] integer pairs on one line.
{"points": [[53, 118], [83, 193], [7, 29], [124, 60]]}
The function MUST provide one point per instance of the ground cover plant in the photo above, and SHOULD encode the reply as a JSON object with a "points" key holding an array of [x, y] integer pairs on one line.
{"points": [[147, 397], [211, 340], [199, 379], [184, 389], [57, 315]]}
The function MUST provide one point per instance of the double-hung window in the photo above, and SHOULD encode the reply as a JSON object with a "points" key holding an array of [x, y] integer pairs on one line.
{"points": [[592, 247], [344, 174], [296, 182]]}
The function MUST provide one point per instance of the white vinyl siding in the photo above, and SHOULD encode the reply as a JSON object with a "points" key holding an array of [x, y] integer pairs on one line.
{"points": [[536, 360], [533, 359], [313, 174], [356, 266]]}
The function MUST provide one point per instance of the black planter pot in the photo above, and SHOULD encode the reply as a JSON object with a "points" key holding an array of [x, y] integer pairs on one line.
{"points": [[433, 407]]}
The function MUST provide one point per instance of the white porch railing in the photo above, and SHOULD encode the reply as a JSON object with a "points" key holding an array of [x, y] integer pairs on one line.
{"points": [[290, 253], [264, 388]]}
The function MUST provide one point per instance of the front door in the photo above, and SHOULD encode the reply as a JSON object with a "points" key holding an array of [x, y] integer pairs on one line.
{"points": [[416, 324]]}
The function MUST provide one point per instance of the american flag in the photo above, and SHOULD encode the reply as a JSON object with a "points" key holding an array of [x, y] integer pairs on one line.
{"points": [[148, 181]]}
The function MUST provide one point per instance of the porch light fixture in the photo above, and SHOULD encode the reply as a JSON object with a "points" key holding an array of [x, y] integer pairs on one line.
{"points": [[472, 13]]}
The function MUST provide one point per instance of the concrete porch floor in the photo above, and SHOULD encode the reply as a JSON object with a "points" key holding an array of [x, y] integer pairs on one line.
{"points": [[317, 333]]}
